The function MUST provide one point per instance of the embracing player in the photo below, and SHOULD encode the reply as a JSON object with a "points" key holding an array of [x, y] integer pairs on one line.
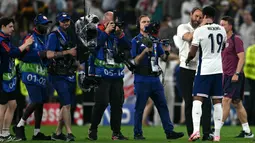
{"points": [[209, 39]]}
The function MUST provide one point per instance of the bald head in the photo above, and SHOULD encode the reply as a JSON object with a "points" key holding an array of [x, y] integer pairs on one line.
{"points": [[108, 16]]}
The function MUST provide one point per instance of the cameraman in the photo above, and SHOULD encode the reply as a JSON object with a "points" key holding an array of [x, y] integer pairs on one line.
{"points": [[147, 82], [111, 72]]}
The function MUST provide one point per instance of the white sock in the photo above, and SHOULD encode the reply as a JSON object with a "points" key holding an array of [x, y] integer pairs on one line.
{"points": [[222, 123], [217, 115], [21, 123], [5, 132], [246, 128], [196, 114], [36, 131]]}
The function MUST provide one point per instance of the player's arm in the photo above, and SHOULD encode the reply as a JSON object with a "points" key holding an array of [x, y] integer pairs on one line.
{"points": [[194, 47], [240, 62], [184, 33], [240, 54], [192, 53]]}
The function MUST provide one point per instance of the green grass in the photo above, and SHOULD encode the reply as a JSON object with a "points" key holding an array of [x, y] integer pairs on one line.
{"points": [[152, 134]]}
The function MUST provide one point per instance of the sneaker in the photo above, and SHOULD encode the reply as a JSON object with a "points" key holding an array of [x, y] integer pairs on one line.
{"points": [[118, 136], [20, 132], [11, 138], [92, 135], [2, 139], [139, 137], [59, 137], [174, 135], [70, 137], [216, 139], [243, 134], [195, 136], [41, 136], [208, 137]]}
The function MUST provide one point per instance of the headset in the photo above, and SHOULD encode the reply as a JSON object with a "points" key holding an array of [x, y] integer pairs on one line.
{"points": [[138, 21]]}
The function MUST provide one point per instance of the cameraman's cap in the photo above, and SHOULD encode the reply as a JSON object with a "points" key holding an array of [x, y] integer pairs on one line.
{"points": [[41, 19], [63, 16]]}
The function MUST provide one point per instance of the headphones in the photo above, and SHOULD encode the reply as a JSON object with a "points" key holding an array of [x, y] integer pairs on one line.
{"points": [[138, 24], [138, 21]]}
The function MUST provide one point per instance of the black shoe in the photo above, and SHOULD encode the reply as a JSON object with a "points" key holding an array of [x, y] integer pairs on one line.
{"points": [[207, 137], [92, 135], [118, 136], [41, 136], [11, 138], [70, 137], [56, 137], [174, 135], [139, 137], [243, 134], [20, 133]]}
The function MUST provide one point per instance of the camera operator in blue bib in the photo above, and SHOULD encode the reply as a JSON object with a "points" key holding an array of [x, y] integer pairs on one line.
{"points": [[145, 51], [34, 74], [110, 68], [62, 73]]}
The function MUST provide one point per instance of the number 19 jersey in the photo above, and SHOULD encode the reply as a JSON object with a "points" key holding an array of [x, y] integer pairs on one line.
{"points": [[210, 40]]}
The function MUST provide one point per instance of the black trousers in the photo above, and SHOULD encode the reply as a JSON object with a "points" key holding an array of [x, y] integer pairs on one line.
{"points": [[109, 91], [186, 85], [251, 102]]}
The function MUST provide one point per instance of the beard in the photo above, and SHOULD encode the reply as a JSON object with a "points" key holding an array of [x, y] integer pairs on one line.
{"points": [[194, 23]]}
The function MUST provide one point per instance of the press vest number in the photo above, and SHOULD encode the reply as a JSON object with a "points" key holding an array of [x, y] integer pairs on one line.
{"points": [[112, 73], [12, 84], [33, 78]]}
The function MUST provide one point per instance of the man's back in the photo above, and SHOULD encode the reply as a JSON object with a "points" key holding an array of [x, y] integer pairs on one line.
{"points": [[210, 39]]}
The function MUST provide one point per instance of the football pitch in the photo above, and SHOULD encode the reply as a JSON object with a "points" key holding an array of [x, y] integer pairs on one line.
{"points": [[152, 134]]}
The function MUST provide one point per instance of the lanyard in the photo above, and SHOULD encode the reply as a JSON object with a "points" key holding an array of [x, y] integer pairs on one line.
{"points": [[155, 50], [40, 40], [63, 37]]}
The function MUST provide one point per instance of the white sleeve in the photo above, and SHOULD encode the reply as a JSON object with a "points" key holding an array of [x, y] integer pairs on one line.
{"points": [[196, 39], [181, 30]]}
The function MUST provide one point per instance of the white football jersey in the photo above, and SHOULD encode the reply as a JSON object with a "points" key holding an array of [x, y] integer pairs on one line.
{"points": [[210, 39]]}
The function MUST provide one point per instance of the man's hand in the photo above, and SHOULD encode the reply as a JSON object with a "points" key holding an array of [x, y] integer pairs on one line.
{"points": [[147, 50], [234, 78], [118, 31], [166, 48], [109, 27], [29, 41], [72, 51], [187, 62]]}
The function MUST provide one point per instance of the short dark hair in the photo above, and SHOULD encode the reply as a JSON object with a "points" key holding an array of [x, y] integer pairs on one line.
{"points": [[209, 11], [5, 21], [195, 9], [229, 19], [142, 16]]}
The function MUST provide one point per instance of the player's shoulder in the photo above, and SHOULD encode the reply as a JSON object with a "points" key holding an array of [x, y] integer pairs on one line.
{"points": [[238, 37]]}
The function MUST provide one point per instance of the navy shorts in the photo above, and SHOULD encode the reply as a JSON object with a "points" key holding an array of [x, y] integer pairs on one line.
{"points": [[37, 94], [233, 90], [208, 85], [65, 90], [7, 96]]}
